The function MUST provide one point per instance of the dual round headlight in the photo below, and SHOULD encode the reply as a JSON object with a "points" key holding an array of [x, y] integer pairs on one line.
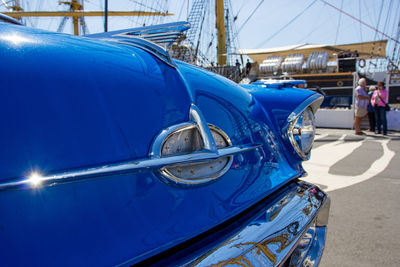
{"points": [[301, 133]]}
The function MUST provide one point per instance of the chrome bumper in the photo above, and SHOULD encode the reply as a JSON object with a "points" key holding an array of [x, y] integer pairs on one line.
{"points": [[286, 229]]}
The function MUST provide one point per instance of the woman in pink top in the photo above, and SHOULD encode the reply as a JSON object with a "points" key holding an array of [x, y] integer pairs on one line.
{"points": [[379, 100]]}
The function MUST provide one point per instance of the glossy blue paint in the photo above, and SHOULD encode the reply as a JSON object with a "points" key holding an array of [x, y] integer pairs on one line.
{"points": [[283, 105], [70, 102], [279, 103]]}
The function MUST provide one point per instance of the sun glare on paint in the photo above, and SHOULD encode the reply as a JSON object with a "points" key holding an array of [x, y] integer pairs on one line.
{"points": [[35, 179]]}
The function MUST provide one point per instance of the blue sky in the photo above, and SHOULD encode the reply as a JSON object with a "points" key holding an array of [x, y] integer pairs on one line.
{"points": [[320, 24]]}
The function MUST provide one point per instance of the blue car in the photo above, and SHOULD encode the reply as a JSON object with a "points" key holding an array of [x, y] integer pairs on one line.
{"points": [[114, 154]]}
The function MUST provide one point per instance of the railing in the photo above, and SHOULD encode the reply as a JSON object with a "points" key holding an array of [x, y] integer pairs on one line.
{"points": [[231, 72]]}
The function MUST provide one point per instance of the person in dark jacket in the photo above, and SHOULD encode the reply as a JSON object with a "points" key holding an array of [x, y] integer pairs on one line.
{"points": [[355, 54], [371, 111], [318, 90], [248, 67]]}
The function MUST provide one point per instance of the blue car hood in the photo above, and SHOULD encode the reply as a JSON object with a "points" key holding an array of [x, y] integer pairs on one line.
{"points": [[70, 102]]}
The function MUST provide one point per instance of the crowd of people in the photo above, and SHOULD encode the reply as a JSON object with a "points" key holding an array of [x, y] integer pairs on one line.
{"points": [[247, 67], [372, 101]]}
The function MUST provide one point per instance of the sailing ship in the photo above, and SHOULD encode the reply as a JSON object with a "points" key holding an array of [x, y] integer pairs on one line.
{"points": [[211, 40], [334, 70], [212, 43]]}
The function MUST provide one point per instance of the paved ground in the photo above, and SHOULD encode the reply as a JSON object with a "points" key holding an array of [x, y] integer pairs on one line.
{"points": [[362, 176]]}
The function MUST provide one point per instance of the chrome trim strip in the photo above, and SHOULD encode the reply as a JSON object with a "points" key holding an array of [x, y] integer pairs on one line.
{"points": [[197, 120], [147, 46], [208, 140], [8, 19], [126, 167], [153, 39], [154, 162], [165, 34]]}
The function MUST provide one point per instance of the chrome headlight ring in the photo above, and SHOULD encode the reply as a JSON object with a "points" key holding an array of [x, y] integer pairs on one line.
{"points": [[301, 133], [300, 127]]}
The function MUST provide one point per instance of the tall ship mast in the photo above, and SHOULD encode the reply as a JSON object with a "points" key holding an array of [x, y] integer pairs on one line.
{"points": [[74, 11], [211, 42]]}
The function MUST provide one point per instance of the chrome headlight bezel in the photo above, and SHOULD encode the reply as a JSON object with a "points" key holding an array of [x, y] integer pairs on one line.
{"points": [[295, 122], [301, 133], [195, 173]]}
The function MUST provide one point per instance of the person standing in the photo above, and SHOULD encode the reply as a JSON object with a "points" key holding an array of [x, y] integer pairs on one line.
{"points": [[248, 67], [237, 64], [379, 101], [371, 111], [355, 54], [319, 91], [361, 100]]}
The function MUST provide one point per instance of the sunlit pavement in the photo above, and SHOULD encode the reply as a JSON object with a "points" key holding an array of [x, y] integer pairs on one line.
{"points": [[362, 176]]}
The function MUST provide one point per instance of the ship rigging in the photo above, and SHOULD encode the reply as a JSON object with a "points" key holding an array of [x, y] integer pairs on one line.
{"points": [[213, 39]]}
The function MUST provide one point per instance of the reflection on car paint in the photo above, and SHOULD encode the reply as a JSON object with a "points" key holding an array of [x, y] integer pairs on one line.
{"points": [[252, 248]]}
